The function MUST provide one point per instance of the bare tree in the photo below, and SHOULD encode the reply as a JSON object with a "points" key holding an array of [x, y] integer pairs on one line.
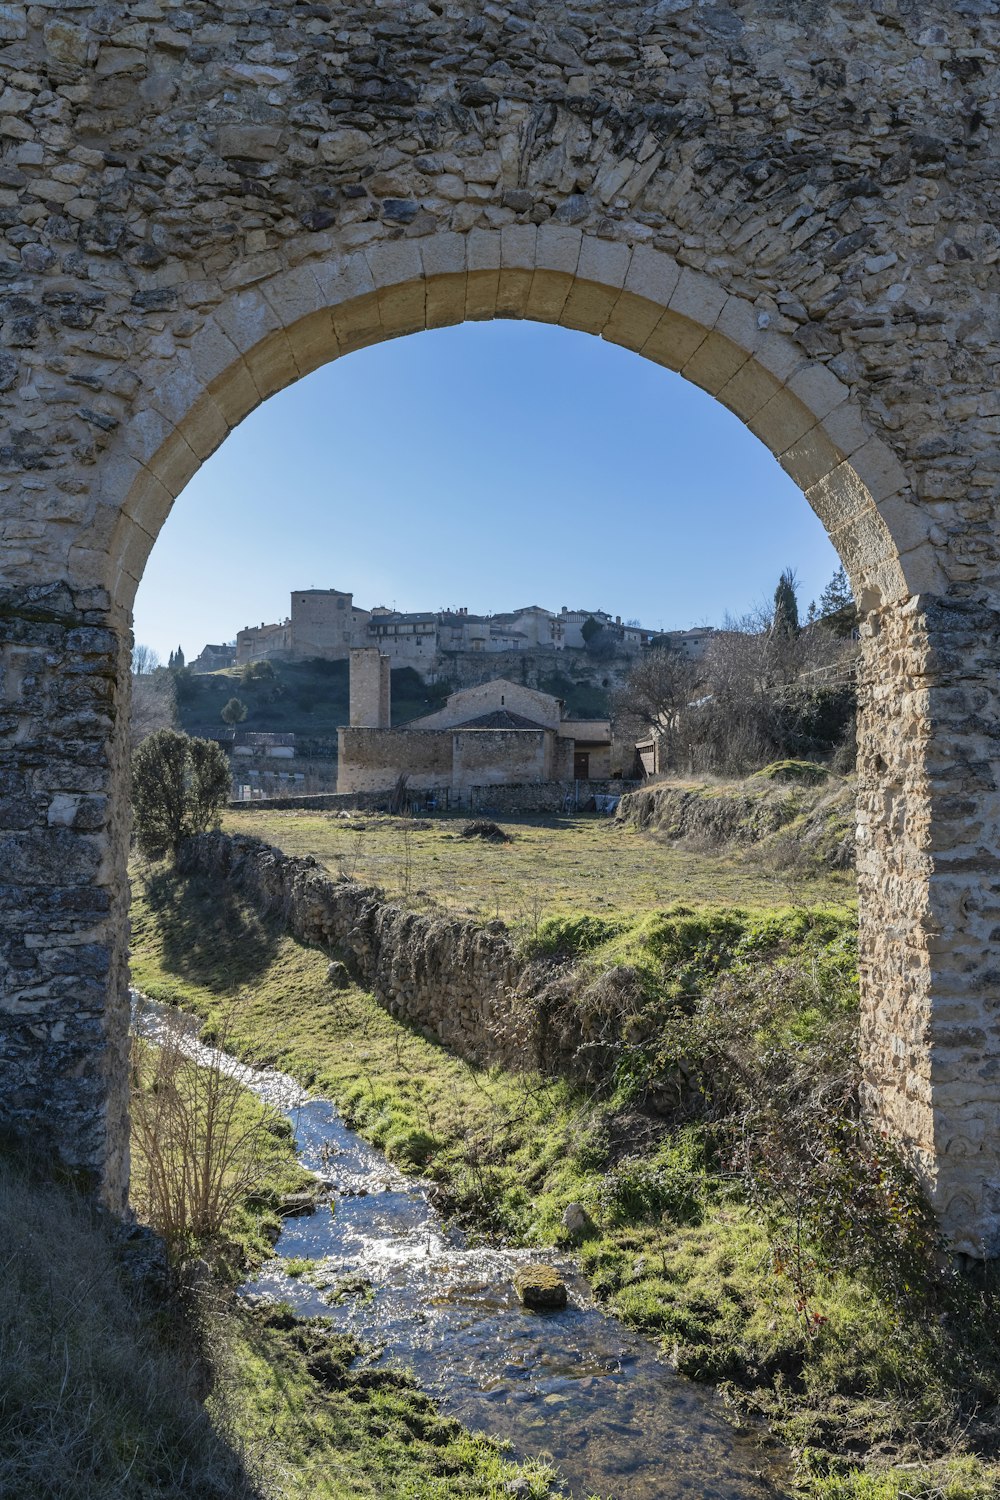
{"points": [[759, 693], [658, 687], [154, 695], [144, 660]]}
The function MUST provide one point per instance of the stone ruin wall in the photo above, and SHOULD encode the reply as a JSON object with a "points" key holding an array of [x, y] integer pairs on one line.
{"points": [[796, 207]]}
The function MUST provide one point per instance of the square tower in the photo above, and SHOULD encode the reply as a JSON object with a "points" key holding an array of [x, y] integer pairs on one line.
{"points": [[370, 688]]}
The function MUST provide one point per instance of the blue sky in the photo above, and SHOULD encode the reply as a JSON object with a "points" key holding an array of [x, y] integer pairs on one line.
{"points": [[489, 465]]}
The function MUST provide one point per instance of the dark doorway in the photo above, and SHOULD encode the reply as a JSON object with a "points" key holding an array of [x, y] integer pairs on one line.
{"points": [[581, 765]]}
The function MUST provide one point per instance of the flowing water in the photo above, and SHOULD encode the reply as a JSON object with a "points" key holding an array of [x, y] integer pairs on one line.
{"points": [[574, 1385]]}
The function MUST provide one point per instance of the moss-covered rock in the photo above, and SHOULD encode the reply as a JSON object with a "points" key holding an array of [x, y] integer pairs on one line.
{"points": [[541, 1288]]}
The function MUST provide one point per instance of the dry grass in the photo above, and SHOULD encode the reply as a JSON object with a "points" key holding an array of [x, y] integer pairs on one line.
{"points": [[567, 864], [92, 1404]]}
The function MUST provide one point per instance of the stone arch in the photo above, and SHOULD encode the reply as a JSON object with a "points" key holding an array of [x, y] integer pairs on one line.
{"points": [[263, 339], [796, 211]]}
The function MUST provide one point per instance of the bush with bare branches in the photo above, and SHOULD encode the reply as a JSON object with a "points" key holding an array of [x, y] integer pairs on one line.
{"points": [[203, 1145]]}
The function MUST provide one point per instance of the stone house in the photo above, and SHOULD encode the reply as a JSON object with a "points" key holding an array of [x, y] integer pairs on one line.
{"points": [[498, 733], [213, 658], [327, 623], [323, 622]]}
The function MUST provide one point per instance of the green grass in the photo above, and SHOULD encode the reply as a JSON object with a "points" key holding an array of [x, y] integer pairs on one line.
{"points": [[828, 1353], [99, 1387], [579, 864], [337, 1429]]}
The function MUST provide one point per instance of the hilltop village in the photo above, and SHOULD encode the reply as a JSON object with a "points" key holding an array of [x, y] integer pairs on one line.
{"points": [[327, 624], [530, 691]]}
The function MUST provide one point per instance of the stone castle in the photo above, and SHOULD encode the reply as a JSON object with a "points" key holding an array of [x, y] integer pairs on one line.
{"points": [[327, 623]]}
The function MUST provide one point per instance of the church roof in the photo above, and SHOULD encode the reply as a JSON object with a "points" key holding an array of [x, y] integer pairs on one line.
{"points": [[501, 718]]}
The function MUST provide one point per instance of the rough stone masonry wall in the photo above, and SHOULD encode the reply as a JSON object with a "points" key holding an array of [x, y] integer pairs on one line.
{"points": [[794, 206], [63, 914]]}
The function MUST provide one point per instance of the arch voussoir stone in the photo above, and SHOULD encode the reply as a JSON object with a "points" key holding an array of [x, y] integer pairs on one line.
{"points": [[794, 212]]}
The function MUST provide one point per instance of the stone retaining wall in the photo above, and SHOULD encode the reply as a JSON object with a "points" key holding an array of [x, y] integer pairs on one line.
{"points": [[461, 983], [464, 984]]}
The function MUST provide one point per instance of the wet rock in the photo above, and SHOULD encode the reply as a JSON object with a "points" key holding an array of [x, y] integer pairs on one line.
{"points": [[540, 1288], [295, 1205]]}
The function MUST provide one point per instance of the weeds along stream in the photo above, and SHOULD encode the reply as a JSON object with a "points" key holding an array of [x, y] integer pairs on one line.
{"points": [[573, 1386]]}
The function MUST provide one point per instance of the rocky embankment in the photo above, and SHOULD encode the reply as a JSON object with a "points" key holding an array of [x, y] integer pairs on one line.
{"points": [[795, 810], [466, 985]]}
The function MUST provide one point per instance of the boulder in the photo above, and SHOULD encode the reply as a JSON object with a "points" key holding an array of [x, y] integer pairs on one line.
{"points": [[540, 1288]]}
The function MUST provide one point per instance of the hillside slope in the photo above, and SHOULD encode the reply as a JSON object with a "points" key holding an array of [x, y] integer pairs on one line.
{"points": [[797, 811]]}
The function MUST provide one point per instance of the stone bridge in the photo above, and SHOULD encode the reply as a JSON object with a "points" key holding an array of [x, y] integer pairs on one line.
{"points": [[794, 206]]}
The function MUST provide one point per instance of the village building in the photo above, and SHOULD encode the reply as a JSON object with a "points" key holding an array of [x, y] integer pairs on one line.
{"points": [[327, 623], [498, 733], [259, 745], [213, 658]]}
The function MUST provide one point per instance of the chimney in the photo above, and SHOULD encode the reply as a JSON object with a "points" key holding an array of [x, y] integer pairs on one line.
{"points": [[370, 687]]}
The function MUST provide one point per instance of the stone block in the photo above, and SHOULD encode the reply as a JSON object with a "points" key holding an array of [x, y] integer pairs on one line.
{"points": [[781, 421], [271, 363], [547, 294], [714, 363], [673, 341], [204, 428], [235, 392], [357, 324], [879, 469], [313, 341], [446, 299], [811, 459], [443, 255], [749, 390], [557, 248], [293, 294], [588, 306], [517, 247], [632, 322], [698, 297], [403, 308], [173, 463], [818, 389], [483, 250], [395, 262], [652, 275], [249, 142], [246, 318], [605, 262]]}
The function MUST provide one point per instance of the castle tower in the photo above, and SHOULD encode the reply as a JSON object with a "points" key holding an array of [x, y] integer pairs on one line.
{"points": [[370, 689]]}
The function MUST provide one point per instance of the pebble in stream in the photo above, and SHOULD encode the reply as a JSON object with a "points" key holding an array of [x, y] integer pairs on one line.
{"points": [[573, 1385]]}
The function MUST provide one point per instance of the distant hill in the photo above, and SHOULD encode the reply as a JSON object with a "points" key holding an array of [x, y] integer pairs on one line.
{"points": [[309, 699]]}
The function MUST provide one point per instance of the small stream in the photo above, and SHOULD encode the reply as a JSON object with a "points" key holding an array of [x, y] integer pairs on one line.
{"points": [[575, 1386]]}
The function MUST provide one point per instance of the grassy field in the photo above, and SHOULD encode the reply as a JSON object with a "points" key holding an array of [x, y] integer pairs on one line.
{"points": [[581, 863], [805, 1288]]}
